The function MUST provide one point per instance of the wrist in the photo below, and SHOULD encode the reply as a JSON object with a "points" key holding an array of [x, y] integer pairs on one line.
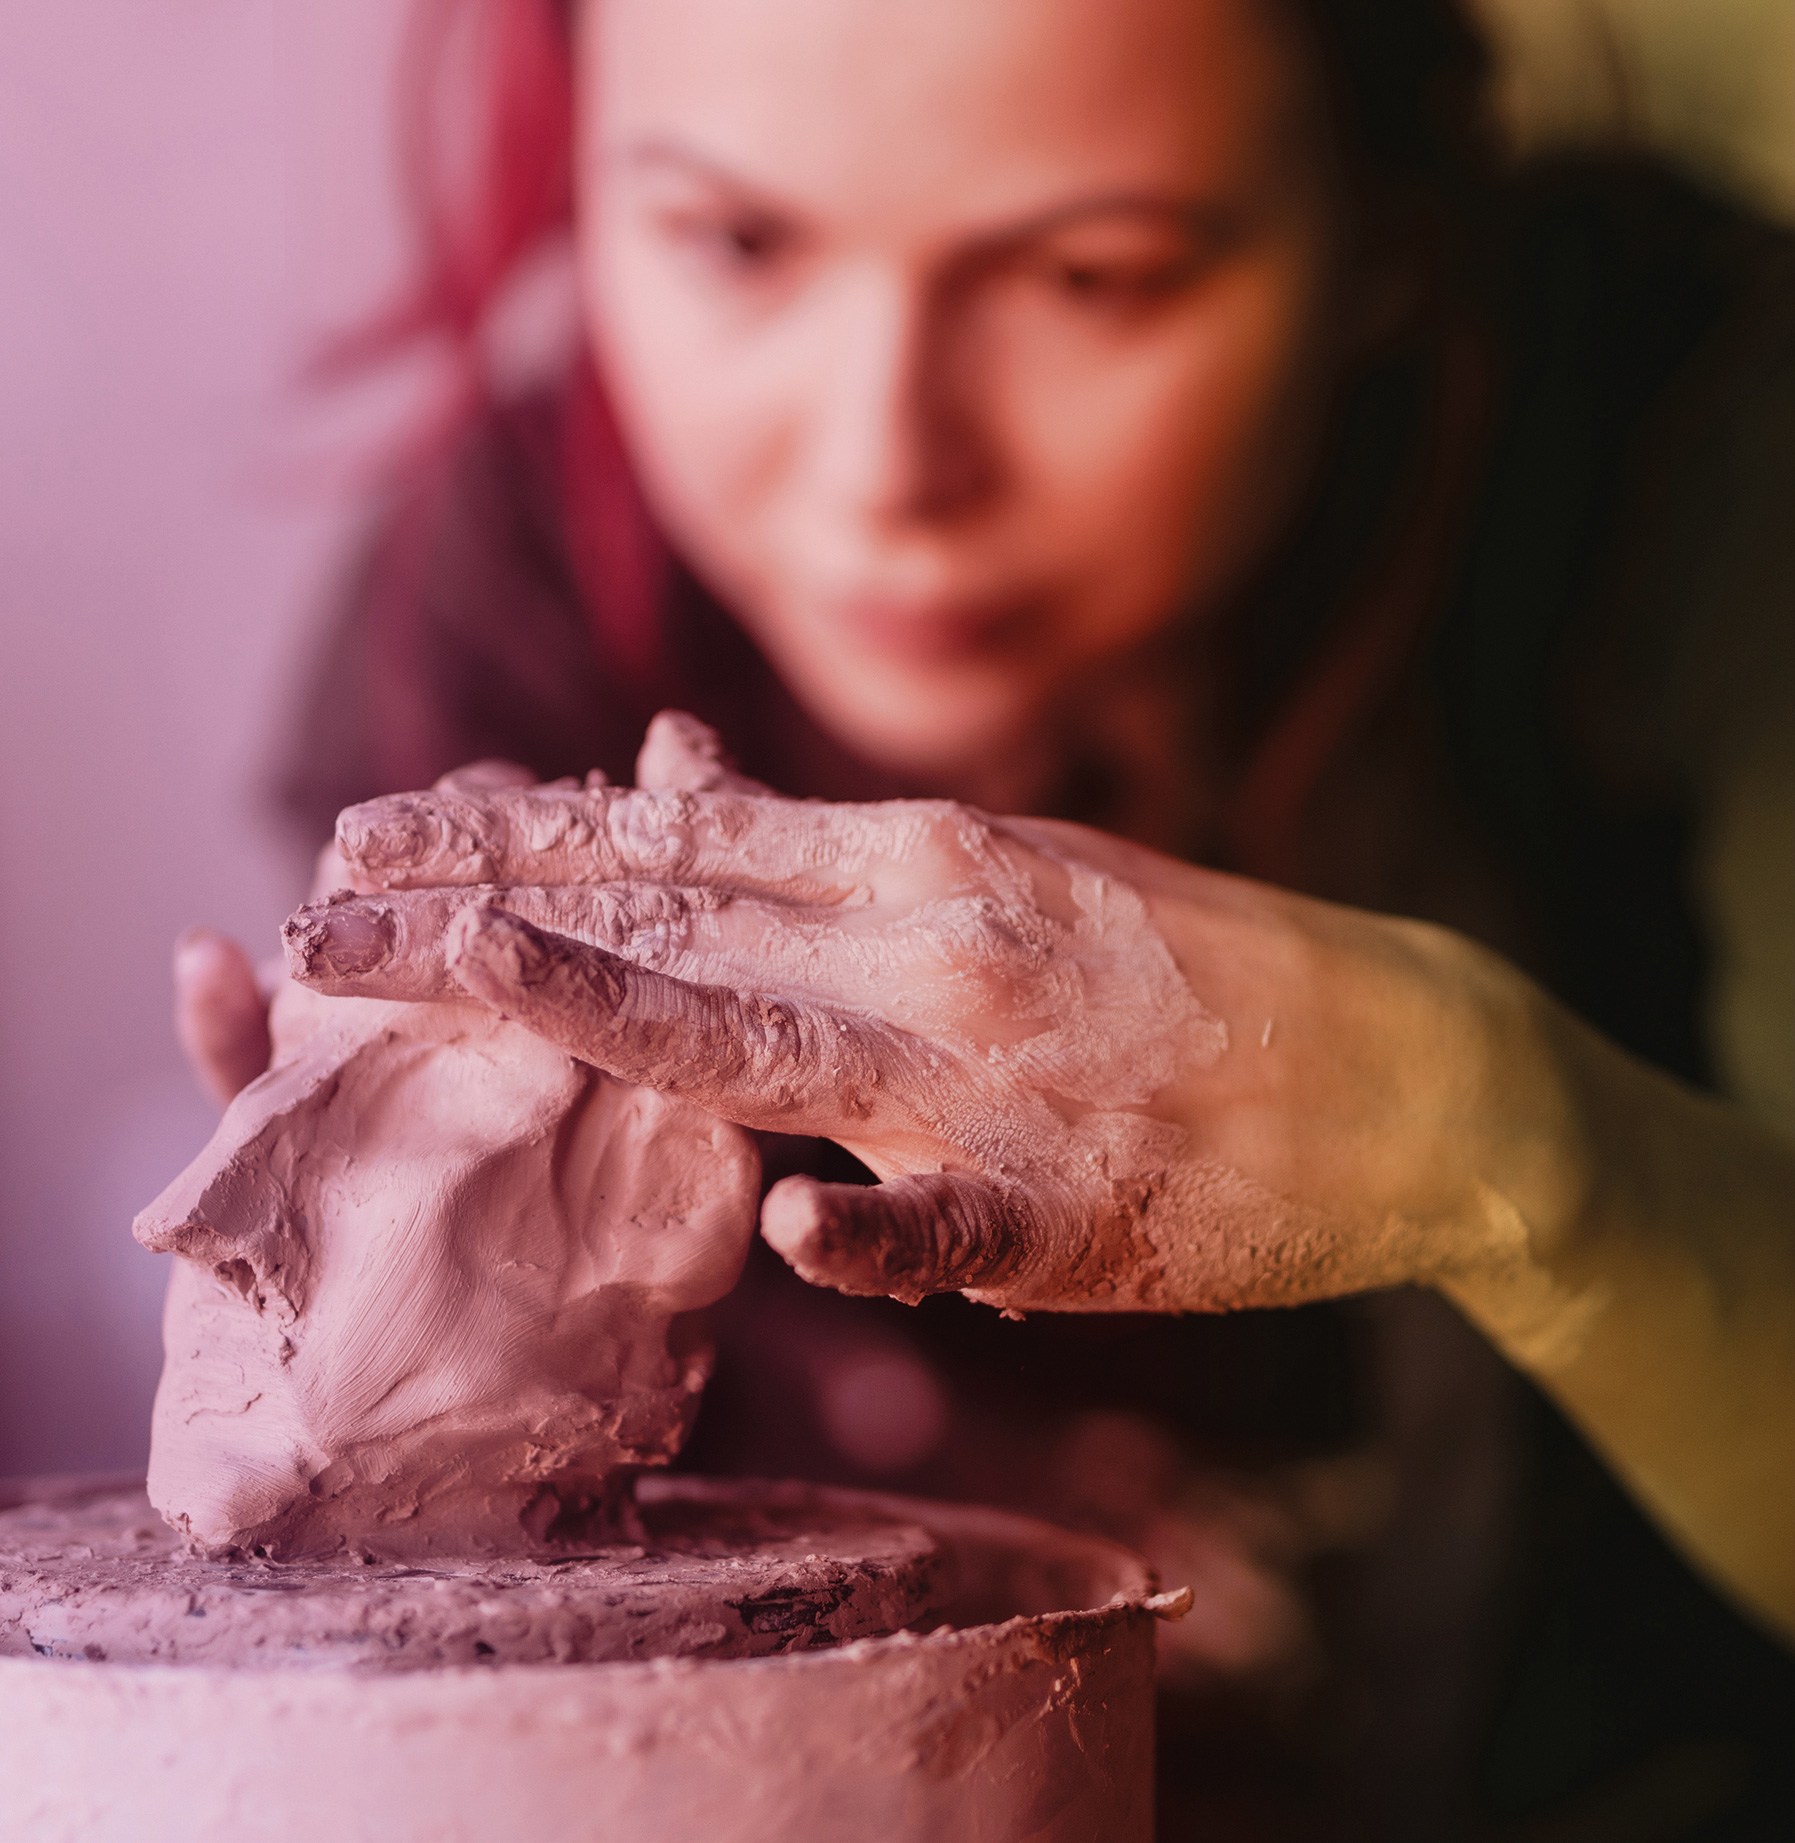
{"points": [[1518, 1258]]}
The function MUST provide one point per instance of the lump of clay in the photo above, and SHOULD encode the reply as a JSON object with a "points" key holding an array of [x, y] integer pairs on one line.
{"points": [[435, 1291]]}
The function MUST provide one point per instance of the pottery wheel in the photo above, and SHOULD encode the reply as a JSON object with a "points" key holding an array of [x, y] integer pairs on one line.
{"points": [[103, 1578]]}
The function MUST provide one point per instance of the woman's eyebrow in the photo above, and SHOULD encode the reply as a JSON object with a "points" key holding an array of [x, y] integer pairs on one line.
{"points": [[665, 151], [1183, 211], [1192, 213]]}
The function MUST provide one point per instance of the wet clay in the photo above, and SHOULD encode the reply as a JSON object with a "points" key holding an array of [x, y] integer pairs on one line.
{"points": [[105, 1580], [435, 1292]]}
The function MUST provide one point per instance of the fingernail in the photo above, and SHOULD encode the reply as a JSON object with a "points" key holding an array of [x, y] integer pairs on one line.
{"points": [[339, 940], [502, 943], [193, 948], [377, 836]]}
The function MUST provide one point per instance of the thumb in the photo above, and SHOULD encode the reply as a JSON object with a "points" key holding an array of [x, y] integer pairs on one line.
{"points": [[680, 754], [221, 1016], [934, 1232]]}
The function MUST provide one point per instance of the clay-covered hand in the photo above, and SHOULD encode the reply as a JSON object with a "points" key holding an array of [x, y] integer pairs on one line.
{"points": [[221, 1001], [1090, 1077]]}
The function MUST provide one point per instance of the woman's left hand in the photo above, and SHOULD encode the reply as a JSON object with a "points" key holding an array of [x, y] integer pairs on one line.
{"points": [[1090, 1077]]}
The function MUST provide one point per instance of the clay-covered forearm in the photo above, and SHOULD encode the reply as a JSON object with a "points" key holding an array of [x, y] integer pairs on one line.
{"points": [[1654, 1298]]}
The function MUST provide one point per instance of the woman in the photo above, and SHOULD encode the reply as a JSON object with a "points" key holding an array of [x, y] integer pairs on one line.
{"points": [[1109, 413]]}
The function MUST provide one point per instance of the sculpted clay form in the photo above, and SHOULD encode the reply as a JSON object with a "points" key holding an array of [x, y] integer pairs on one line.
{"points": [[436, 1292], [1026, 1712]]}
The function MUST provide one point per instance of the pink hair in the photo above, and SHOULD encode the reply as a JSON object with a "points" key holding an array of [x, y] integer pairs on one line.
{"points": [[486, 149]]}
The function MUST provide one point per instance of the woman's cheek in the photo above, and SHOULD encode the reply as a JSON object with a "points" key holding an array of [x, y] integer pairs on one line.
{"points": [[710, 453], [1160, 466]]}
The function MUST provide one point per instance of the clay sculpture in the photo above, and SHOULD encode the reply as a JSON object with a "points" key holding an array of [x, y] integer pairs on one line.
{"points": [[435, 1291]]}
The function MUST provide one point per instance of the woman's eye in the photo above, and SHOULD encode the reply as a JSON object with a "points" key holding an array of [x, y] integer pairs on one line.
{"points": [[743, 244], [750, 241], [1119, 283], [1120, 267]]}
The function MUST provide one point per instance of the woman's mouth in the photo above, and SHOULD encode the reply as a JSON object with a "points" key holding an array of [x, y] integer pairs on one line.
{"points": [[935, 632]]}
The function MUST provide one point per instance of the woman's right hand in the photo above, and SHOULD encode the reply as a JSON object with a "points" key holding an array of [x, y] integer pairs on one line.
{"points": [[998, 1016], [1002, 1019]]}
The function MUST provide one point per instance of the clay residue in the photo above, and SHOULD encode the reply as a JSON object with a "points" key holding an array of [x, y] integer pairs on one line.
{"points": [[103, 1580], [1039, 1726], [435, 1291]]}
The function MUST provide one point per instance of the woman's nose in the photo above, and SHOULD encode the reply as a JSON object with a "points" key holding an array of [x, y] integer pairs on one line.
{"points": [[899, 438]]}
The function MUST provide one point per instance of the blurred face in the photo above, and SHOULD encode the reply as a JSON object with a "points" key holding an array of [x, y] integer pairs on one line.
{"points": [[963, 345]]}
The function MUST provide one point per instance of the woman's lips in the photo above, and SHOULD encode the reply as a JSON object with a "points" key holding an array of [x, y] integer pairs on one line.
{"points": [[936, 633]]}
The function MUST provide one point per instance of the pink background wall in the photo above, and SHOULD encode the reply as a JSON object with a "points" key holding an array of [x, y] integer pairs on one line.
{"points": [[189, 190]]}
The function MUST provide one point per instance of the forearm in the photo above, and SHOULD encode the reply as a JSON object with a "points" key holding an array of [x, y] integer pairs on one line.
{"points": [[1646, 1278]]}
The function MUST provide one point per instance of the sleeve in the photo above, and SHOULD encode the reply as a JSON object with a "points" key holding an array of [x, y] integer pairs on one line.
{"points": [[1748, 890], [1710, 597]]}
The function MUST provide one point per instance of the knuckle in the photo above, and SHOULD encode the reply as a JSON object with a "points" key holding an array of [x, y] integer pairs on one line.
{"points": [[555, 819], [919, 827], [985, 930], [651, 830], [943, 1232], [798, 1054], [983, 1228]]}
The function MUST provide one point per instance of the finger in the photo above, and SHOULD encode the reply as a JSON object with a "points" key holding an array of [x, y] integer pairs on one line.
{"points": [[680, 753], [485, 775], [933, 1232], [359, 946], [785, 1066], [391, 944], [221, 1016], [394, 946], [801, 850]]}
